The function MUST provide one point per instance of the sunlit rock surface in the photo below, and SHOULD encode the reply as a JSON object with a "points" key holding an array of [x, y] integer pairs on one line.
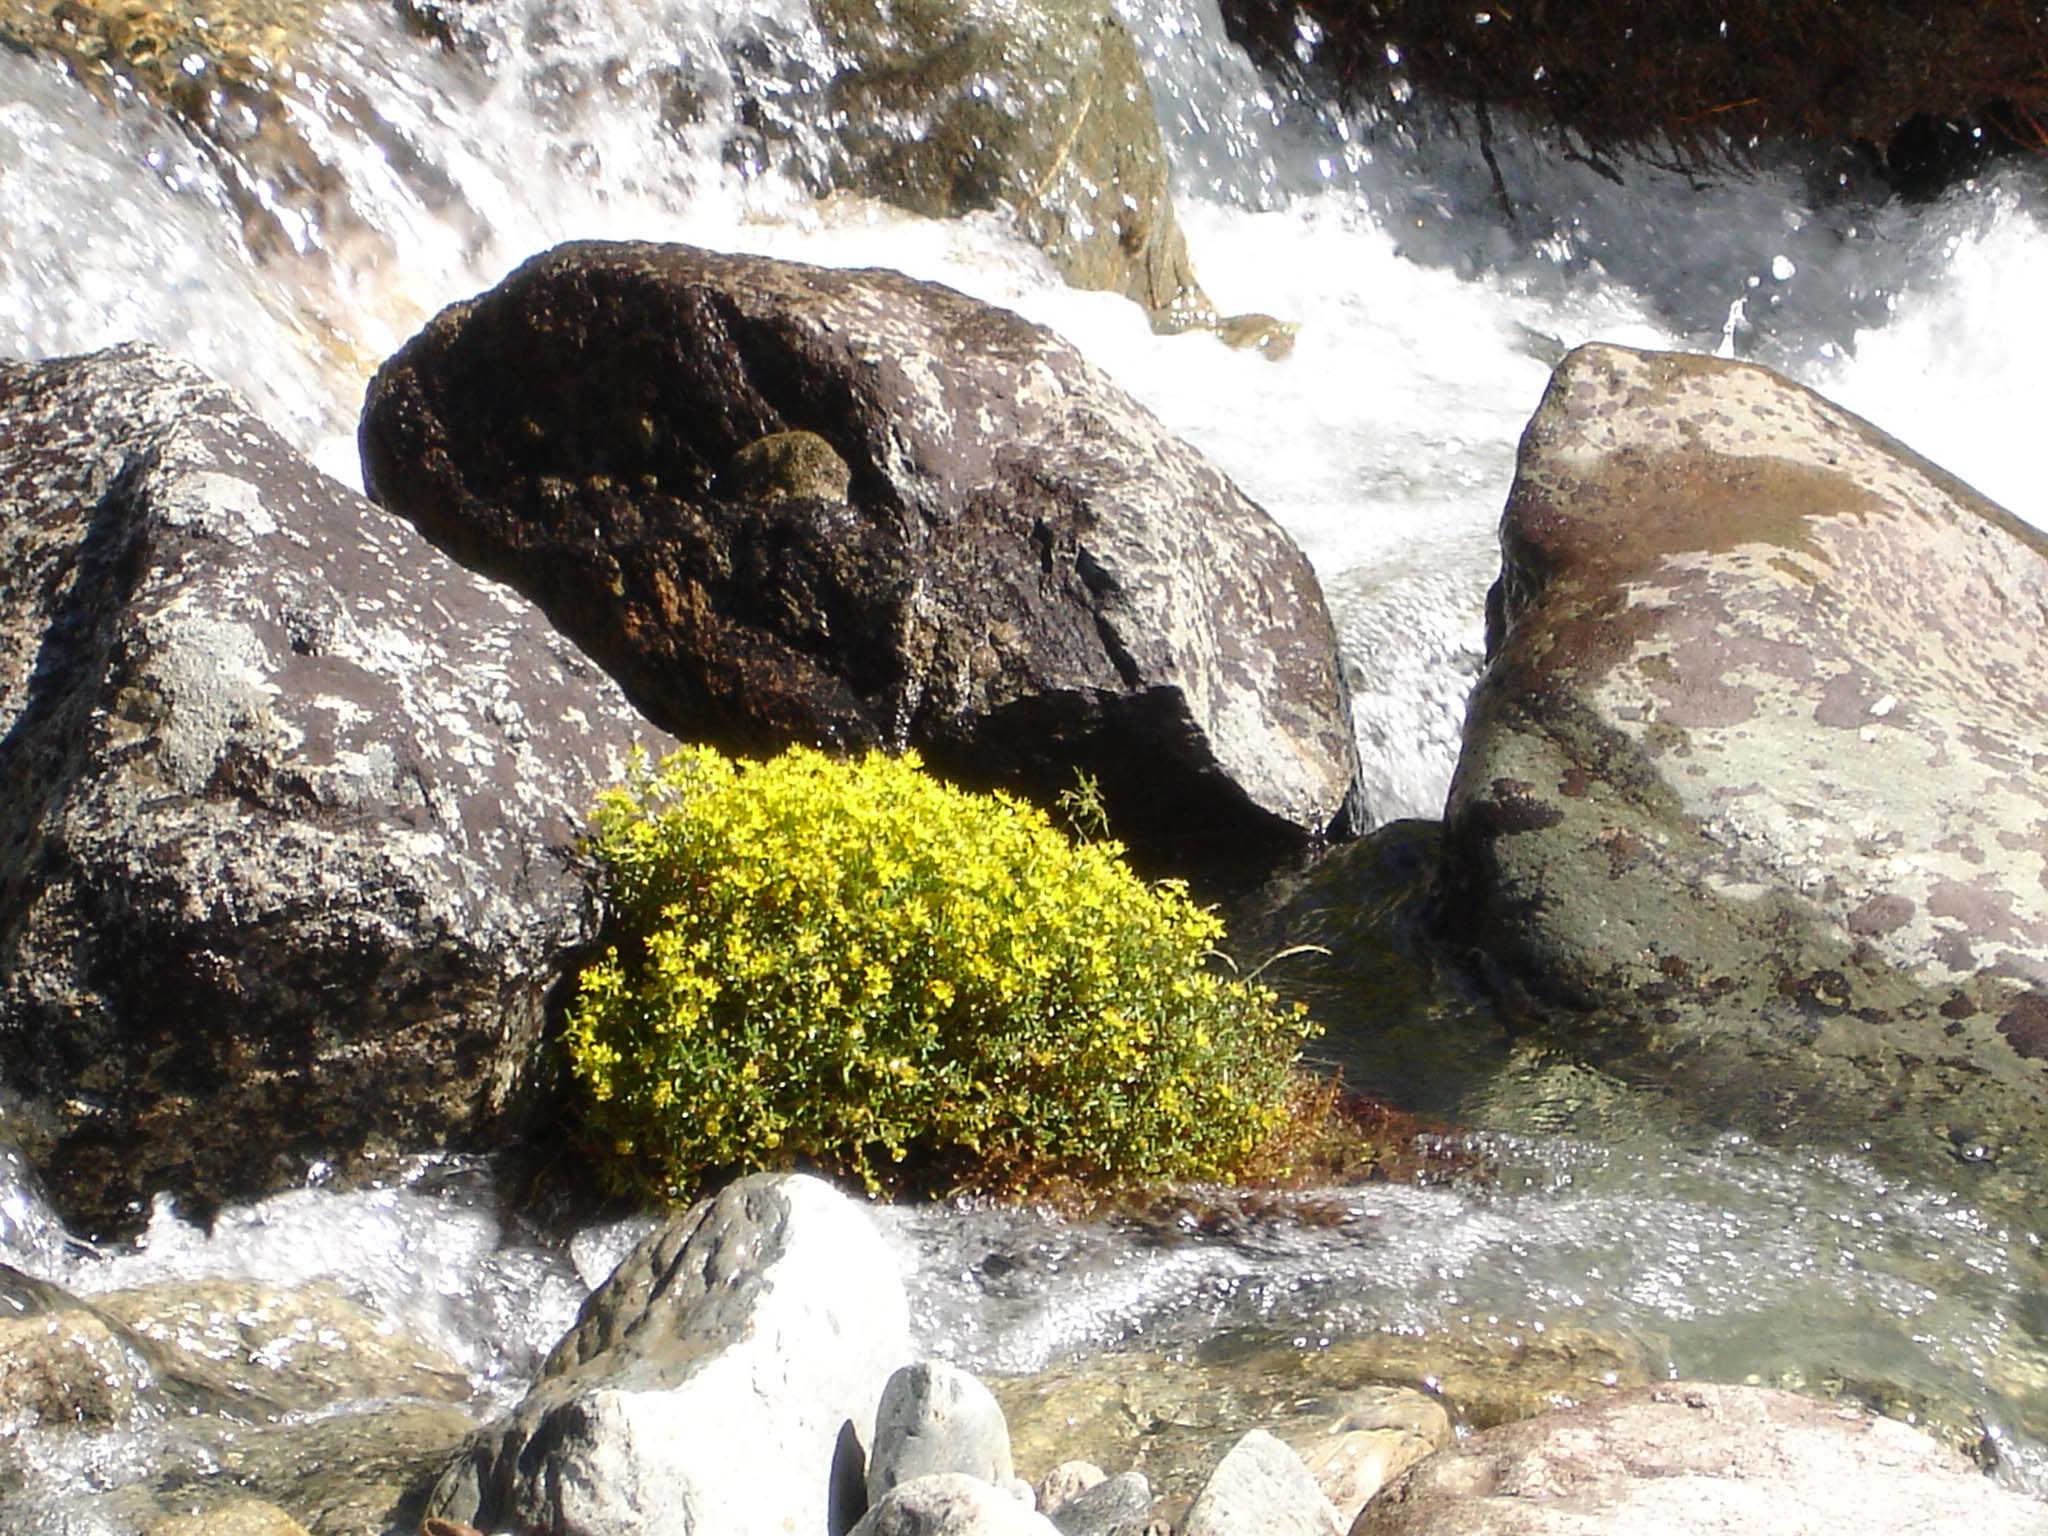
{"points": [[1698, 1460], [725, 1378], [1028, 575], [945, 108], [284, 798], [1760, 759]]}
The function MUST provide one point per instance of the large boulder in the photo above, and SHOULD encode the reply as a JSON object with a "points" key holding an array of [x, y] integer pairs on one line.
{"points": [[947, 107], [1758, 771], [1699, 1460], [284, 798], [725, 1378], [1928, 85], [782, 503]]}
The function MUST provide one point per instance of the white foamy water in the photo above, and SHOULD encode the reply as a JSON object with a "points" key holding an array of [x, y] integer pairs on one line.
{"points": [[1384, 443]]}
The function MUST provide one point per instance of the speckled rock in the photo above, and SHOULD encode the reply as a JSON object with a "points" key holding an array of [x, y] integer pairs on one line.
{"points": [[725, 1378], [934, 1418], [1699, 1460], [1114, 1506], [1030, 576], [1759, 764], [945, 107], [1260, 1485], [951, 1504], [283, 799]]}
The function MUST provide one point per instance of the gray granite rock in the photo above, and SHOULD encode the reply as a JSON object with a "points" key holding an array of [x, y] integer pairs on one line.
{"points": [[1116, 1506], [935, 1417], [725, 1378], [951, 1504], [284, 799], [1260, 1485]]}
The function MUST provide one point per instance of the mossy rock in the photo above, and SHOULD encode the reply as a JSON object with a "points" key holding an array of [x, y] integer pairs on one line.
{"points": [[1043, 110], [787, 466]]}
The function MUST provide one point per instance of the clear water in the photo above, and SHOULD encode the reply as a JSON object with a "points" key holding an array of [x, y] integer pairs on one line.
{"points": [[394, 178]]}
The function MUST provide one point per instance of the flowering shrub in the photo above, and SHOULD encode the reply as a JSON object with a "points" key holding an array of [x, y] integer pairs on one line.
{"points": [[852, 966]]}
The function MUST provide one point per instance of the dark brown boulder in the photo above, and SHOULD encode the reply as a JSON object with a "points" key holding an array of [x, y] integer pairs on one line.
{"points": [[1025, 574], [1714, 79], [284, 799]]}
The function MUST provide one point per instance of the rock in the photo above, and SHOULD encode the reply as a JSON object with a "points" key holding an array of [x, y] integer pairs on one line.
{"points": [[353, 1474], [242, 1517], [65, 1367], [726, 1377], [1260, 1485], [1115, 1506], [946, 107], [68, 1363], [934, 1418], [1385, 1432], [1698, 1460], [1703, 84], [951, 1504], [274, 764], [1758, 765], [1175, 1418], [1031, 578], [301, 1348], [1065, 1481]]}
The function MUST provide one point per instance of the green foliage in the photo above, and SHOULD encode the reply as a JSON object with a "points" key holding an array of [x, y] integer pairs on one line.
{"points": [[851, 966]]}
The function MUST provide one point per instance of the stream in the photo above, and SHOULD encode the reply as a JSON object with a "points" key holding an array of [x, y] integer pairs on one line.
{"points": [[378, 179]]}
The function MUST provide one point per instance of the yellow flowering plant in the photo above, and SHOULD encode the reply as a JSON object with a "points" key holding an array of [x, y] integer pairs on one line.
{"points": [[851, 966]]}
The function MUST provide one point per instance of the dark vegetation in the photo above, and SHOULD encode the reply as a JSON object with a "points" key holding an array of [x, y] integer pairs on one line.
{"points": [[1927, 88]]}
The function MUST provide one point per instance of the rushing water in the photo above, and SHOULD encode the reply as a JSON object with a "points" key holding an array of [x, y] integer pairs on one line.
{"points": [[382, 178]]}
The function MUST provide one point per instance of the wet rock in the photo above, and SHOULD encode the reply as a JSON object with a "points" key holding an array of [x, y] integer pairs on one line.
{"points": [[1260, 1485], [68, 1363], [1030, 578], [353, 1474], [952, 106], [285, 793], [1115, 1506], [951, 1504], [65, 1367], [934, 1418], [1382, 1436], [1698, 1460], [243, 1517], [1713, 83], [1759, 765], [301, 1348], [1174, 1418], [726, 1377]]}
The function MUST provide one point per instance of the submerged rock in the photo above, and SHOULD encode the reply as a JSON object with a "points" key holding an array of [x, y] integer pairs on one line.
{"points": [[1699, 1460], [1759, 764], [725, 1378], [283, 801], [299, 1347], [1027, 576]]}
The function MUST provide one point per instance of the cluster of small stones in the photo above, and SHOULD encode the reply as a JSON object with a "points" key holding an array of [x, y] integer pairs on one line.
{"points": [[942, 1466]]}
